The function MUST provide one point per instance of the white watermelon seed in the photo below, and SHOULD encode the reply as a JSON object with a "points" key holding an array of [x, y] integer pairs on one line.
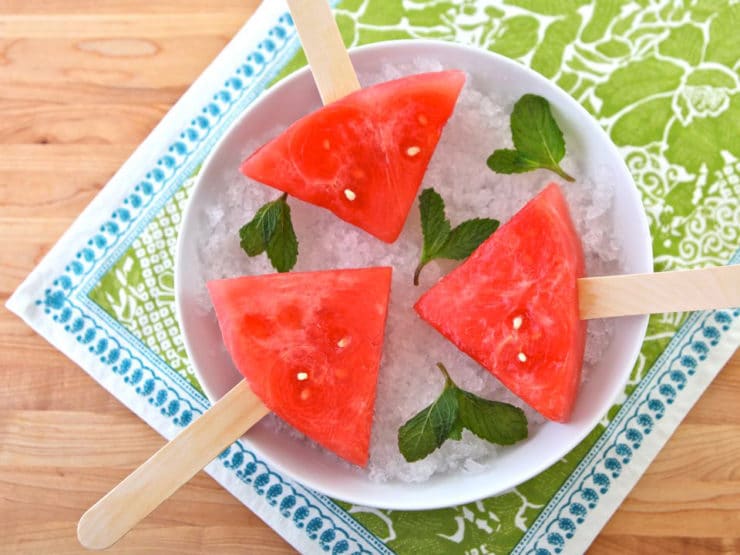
{"points": [[522, 357], [342, 343], [326, 144], [413, 150], [301, 376], [517, 322], [350, 194], [305, 394]]}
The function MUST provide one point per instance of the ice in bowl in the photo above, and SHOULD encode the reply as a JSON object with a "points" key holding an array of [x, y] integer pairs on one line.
{"points": [[605, 210]]}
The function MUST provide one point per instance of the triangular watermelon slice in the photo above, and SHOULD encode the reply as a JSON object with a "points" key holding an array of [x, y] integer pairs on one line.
{"points": [[513, 305], [363, 157], [309, 344]]}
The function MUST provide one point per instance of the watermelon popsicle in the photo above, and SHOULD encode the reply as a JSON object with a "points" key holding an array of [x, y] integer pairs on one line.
{"points": [[513, 305], [310, 344], [304, 374], [518, 304], [363, 156]]}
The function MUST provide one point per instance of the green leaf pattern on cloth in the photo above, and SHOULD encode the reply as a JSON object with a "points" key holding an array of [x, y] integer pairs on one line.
{"points": [[661, 77], [139, 289]]}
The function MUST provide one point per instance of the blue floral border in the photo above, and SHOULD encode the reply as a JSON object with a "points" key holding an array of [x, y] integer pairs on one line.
{"points": [[66, 301], [601, 468]]}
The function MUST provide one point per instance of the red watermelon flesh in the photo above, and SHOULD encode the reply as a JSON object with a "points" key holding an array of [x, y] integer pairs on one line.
{"points": [[309, 344], [513, 305], [364, 156]]}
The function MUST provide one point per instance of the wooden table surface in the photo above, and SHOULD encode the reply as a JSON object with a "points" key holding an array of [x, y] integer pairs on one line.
{"points": [[81, 84]]}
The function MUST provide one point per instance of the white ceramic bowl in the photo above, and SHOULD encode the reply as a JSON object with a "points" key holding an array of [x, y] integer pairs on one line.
{"points": [[215, 371]]}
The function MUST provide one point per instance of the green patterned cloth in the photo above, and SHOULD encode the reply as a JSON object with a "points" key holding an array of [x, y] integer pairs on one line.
{"points": [[660, 76]]}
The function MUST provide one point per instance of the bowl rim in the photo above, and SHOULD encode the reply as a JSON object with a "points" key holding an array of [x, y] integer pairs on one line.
{"points": [[459, 495]]}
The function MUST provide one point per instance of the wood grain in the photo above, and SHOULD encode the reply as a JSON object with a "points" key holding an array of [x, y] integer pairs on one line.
{"points": [[54, 157]]}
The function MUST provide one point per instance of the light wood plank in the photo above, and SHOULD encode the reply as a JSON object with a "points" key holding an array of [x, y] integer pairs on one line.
{"points": [[55, 537], [26, 241], [58, 180], [675, 545], [30, 437], [88, 92], [37, 489], [30, 387], [719, 403], [73, 123], [105, 7], [85, 26], [113, 64]]}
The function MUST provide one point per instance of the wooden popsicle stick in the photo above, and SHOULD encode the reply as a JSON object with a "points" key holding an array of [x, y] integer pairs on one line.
{"points": [[170, 467], [329, 60], [625, 295], [201, 442]]}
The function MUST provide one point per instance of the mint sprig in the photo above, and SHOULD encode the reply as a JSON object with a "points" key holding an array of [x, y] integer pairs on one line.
{"points": [[440, 239], [538, 140], [455, 409], [271, 230]]}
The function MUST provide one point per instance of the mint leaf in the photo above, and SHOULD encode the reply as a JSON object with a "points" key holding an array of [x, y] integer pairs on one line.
{"points": [[535, 131], [510, 161], [282, 248], [454, 410], [252, 234], [271, 230], [466, 237], [270, 217], [538, 140], [429, 429], [434, 224], [251, 240], [440, 240], [493, 421]]}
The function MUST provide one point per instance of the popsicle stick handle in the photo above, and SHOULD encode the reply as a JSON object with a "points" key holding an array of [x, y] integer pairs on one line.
{"points": [[170, 467], [625, 295], [330, 64]]}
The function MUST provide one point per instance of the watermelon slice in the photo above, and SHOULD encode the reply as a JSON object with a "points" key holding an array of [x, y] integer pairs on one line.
{"points": [[309, 344], [363, 157], [513, 305]]}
